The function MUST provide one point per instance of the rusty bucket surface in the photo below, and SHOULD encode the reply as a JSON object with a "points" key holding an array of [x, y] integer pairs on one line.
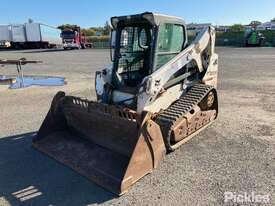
{"points": [[111, 146]]}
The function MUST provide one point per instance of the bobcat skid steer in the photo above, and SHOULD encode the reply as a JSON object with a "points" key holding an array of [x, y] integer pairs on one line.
{"points": [[157, 94]]}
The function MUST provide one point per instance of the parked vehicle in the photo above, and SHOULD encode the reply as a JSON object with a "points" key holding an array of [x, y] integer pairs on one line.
{"points": [[18, 36], [73, 38], [254, 38], [29, 35], [158, 93], [42, 36], [5, 36]]}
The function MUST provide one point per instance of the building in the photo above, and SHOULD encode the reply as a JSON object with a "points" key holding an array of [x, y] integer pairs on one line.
{"points": [[222, 28], [266, 26], [196, 27]]}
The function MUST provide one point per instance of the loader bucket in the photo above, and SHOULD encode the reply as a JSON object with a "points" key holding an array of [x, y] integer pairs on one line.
{"points": [[111, 146]]}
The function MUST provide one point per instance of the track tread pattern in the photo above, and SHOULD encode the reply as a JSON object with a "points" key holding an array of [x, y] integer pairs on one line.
{"points": [[168, 117]]}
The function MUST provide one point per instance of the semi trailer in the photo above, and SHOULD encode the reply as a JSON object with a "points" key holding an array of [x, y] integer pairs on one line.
{"points": [[42, 36], [18, 36], [29, 35]]}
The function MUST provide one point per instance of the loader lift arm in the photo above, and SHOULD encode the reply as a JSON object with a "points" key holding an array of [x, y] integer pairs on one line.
{"points": [[193, 55]]}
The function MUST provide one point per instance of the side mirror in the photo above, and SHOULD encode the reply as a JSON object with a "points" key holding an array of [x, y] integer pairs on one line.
{"points": [[112, 45]]}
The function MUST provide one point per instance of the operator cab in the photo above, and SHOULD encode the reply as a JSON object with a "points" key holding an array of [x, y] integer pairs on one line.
{"points": [[142, 44], [133, 53]]}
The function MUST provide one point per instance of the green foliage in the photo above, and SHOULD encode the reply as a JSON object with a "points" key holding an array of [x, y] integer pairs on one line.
{"points": [[270, 37], [92, 31], [230, 38], [273, 20], [255, 23], [68, 26], [89, 32], [237, 28], [230, 35], [105, 30], [98, 38]]}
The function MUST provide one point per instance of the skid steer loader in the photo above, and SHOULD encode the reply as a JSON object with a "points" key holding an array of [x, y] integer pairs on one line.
{"points": [[158, 93]]}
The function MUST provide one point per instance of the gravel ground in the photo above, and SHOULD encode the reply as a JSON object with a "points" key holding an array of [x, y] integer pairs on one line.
{"points": [[235, 154]]}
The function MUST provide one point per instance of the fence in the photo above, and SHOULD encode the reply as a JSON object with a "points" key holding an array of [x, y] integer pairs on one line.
{"points": [[101, 45], [222, 39], [99, 42], [237, 38]]}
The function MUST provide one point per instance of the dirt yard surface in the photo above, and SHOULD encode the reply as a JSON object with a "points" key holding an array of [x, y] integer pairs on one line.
{"points": [[235, 154]]}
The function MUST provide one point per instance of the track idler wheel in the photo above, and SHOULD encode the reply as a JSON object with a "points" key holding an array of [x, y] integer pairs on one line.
{"points": [[208, 102]]}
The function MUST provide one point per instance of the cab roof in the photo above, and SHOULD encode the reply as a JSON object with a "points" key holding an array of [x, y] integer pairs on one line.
{"points": [[153, 18]]}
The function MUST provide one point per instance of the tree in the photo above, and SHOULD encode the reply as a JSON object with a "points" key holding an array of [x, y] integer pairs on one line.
{"points": [[68, 26], [30, 21], [106, 28], [89, 32], [92, 31], [273, 20], [255, 23], [237, 28]]}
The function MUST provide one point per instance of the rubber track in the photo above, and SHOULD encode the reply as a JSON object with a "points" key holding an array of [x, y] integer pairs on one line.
{"points": [[168, 117]]}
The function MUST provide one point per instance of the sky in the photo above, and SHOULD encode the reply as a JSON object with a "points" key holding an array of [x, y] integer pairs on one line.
{"points": [[88, 13]]}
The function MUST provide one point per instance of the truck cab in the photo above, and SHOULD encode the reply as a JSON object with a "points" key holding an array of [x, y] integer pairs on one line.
{"points": [[70, 39], [74, 39]]}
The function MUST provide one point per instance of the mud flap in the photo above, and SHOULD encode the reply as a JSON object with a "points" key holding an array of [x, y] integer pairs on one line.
{"points": [[111, 146]]}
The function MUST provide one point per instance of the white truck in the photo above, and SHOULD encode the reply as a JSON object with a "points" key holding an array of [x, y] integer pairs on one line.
{"points": [[29, 35]]}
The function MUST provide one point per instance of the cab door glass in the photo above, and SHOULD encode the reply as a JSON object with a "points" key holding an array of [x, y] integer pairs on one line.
{"points": [[171, 40]]}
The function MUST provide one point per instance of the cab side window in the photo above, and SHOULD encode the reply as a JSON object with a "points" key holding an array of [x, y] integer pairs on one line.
{"points": [[171, 40]]}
